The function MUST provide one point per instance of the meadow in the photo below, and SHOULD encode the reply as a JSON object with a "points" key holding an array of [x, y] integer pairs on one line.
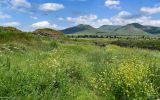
{"points": [[39, 68]]}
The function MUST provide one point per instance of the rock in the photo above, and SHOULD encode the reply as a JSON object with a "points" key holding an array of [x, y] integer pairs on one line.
{"points": [[48, 32]]}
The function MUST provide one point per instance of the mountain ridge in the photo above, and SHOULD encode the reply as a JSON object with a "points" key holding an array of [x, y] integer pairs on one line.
{"points": [[129, 29]]}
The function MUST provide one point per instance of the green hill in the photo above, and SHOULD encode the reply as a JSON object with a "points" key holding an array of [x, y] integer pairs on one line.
{"points": [[24, 42], [130, 30], [81, 30], [152, 29], [108, 28]]}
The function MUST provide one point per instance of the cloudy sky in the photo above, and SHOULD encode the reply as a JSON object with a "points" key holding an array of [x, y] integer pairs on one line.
{"points": [[59, 14]]}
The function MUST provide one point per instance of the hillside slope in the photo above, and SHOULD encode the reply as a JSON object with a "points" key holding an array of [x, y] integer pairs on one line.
{"points": [[24, 42], [151, 29], [130, 30], [108, 28], [81, 30]]}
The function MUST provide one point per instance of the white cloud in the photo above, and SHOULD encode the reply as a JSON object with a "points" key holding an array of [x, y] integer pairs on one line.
{"points": [[90, 20], [11, 24], [122, 18], [150, 10], [101, 22], [124, 14], [82, 19], [3, 16], [127, 18], [20, 4], [51, 6], [113, 4], [150, 21], [43, 24], [60, 18], [33, 17]]}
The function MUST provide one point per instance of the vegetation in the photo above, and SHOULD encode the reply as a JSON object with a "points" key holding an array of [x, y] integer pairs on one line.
{"points": [[147, 44], [49, 32], [9, 29], [112, 30], [81, 30], [109, 28], [38, 67]]}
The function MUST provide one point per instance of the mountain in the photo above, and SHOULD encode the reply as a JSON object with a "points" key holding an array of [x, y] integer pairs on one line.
{"points": [[137, 29], [49, 32], [148, 29], [151, 29], [108, 28], [81, 30], [130, 29]]}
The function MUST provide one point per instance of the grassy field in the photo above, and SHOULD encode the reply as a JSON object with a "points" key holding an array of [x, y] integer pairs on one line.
{"points": [[38, 68]]}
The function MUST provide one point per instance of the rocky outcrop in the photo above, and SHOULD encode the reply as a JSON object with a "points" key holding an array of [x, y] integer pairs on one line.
{"points": [[48, 32], [9, 29]]}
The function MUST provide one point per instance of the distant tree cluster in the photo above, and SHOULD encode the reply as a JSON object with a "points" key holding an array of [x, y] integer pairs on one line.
{"points": [[135, 37]]}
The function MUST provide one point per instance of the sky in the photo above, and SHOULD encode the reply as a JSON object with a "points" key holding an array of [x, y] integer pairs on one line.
{"points": [[29, 15]]}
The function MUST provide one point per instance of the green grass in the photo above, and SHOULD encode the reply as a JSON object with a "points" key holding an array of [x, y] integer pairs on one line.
{"points": [[40, 68], [147, 44]]}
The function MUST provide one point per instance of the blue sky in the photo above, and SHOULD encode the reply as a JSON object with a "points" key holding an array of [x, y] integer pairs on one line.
{"points": [[59, 14]]}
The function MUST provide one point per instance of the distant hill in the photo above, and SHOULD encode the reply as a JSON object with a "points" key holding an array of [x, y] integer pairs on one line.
{"points": [[82, 30], [130, 29], [108, 28], [151, 29], [148, 29], [49, 32], [9, 29], [77, 29]]}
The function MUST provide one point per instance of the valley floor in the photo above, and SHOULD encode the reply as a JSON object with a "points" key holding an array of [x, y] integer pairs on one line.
{"points": [[78, 72]]}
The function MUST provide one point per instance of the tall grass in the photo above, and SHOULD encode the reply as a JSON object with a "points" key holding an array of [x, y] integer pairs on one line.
{"points": [[42, 69]]}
